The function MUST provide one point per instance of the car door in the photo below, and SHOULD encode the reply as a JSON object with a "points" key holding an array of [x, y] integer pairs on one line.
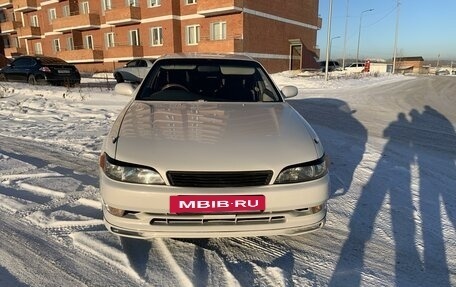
{"points": [[17, 68], [131, 71], [143, 69]]}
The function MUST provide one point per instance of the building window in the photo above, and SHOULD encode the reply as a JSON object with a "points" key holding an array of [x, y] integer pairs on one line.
{"points": [[187, 2], [218, 31], [38, 49], [193, 34], [88, 43], [52, 14], [70, 44], [109, 39], [154, 3], [133, 3], [133, 38], [66, 11], [56, 45], [85, 9], [107, 5], [34, 21], [156, 36]]}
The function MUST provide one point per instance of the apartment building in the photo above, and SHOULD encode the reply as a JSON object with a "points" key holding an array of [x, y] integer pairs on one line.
{"points": [[100, 35]]}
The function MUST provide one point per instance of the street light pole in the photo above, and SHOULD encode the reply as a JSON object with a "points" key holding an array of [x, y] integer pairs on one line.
{"points": [[328, 39], [395, 37], [345, 37], [359, 32]]}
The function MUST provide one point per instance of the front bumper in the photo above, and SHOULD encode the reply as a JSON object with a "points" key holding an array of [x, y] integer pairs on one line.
{"points": [[289, 210]]}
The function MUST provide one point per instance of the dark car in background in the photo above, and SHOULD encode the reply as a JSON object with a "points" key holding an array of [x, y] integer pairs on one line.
{"points": [[41, 70], [332, 66], [133, 71]]}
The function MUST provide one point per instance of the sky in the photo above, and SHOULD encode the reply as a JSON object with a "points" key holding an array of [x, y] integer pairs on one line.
{"points": [[425, 28]]}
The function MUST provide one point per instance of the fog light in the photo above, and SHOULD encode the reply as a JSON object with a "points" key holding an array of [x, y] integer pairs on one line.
{"points": [[318, 208], [115, 211]]}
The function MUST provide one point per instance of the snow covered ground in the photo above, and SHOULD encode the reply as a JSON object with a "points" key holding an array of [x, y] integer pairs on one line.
{"points": [[392, 212]]}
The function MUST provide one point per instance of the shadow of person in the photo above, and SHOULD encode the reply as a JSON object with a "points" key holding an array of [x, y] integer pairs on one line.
{"points": [[391, 177], [436, 171], [137, 251], [342, 135]]}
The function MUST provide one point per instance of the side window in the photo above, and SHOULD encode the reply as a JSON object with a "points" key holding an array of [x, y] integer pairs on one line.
{"points": [[133, 37], [52, 14], [218, 31], [131, 64], [38, 49], [192, 34], [34, 21], [154, 3], [66, 11], [156, 36], [56, 45], [109, 40]]}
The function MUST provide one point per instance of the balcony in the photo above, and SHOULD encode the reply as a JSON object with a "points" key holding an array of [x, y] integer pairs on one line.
{"points": [[213, 8], [223, 46], [319, 23], [123, 16], [14, 51], [77, 22], [29, 33], [25, 5], [123, 51], [10, 27], [6, 3], [81, 55]]}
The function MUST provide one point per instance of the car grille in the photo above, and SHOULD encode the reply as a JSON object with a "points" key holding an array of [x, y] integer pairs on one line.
{"points": [[222, 220], [219, 179]]}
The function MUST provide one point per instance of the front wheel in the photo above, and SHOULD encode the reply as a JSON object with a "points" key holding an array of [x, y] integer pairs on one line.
{"points": [[119, 78]]}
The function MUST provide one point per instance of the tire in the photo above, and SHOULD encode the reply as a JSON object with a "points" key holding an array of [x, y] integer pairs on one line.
{"points": [[119, 78], [3, 78], [31, 80]]}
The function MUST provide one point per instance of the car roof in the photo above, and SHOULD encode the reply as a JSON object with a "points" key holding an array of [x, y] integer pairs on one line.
{"points": [[45, 59], [215, 56]]}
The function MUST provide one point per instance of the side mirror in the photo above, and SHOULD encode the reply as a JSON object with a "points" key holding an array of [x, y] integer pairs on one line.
{"points": [[289, 91], [125, 89]]}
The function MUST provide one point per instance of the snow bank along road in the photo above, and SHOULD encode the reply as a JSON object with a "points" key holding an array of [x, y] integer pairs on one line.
{"points": [[392, 213]]}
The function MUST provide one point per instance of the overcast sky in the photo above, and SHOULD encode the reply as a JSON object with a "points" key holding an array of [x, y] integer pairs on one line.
{"points": [[426, 28]]}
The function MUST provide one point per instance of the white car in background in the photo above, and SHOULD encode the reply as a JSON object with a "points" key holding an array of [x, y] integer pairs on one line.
{"points": [[208, 147], [133, 71], [355, 67]]}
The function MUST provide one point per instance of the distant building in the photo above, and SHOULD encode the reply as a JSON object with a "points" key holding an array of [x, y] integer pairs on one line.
{"points": [[101, 35], [413, 65]]}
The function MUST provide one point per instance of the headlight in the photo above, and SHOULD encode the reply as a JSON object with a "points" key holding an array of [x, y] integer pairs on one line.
{"points": [[128, 172], [303, 172]]}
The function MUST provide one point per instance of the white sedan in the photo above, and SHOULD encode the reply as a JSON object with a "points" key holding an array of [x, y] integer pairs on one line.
{"points": [[208, 147], [133, 71]]}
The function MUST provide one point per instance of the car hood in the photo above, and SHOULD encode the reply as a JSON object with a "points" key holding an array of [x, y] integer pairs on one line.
{"points": [[204, 136]]}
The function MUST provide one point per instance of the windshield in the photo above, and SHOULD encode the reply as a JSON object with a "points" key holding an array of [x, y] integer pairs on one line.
{"points": [[208, 80]]}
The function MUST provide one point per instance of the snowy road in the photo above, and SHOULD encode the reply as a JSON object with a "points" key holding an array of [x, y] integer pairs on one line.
{"points": [[392, 213]]}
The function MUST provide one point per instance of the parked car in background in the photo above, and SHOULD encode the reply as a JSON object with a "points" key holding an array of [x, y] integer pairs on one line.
{"points": [[332, 66], [208, 147], [356, 67], [134, 71], [442, 72], [40, 70]]}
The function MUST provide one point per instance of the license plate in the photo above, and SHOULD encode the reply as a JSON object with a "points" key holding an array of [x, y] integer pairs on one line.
{"points": [[216, 203], [63, 71]]}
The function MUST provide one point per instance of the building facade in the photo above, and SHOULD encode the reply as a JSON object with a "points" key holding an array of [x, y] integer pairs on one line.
{"points": [[100, 35]]}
